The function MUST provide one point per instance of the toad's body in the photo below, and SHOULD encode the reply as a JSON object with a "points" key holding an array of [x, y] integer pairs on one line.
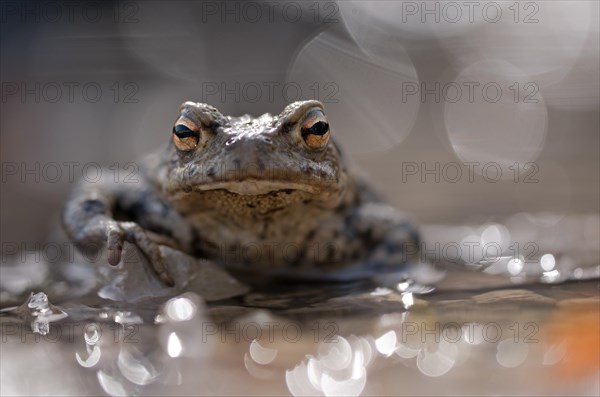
{"points": [[255, 195]]}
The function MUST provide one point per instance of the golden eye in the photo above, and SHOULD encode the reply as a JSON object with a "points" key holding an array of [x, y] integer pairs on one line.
{"points": [[186, 134], [315, 130]]}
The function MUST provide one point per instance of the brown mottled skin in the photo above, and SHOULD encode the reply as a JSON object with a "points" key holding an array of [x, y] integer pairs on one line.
{"points": [[258, 195]]}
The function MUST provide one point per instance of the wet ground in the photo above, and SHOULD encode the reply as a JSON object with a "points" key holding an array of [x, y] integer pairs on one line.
{"points": [[513, 326]]}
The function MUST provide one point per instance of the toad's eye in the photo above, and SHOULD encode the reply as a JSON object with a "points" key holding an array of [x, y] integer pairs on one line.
{"points": [[186, 135], [315, 130]]}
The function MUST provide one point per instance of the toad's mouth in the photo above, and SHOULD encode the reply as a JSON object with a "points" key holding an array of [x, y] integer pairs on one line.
{"points": [[248, 180], [256, 187], [253, 191]]}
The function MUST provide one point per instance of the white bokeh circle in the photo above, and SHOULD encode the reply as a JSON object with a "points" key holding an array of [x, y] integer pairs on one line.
{"points": [[365, 98], [495, 118]]}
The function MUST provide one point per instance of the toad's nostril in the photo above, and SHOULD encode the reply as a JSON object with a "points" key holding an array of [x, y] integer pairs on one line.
{"points": [[268, 140]]}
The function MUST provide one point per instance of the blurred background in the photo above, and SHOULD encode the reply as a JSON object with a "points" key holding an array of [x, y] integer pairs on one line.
{"points": [[456, 112]]}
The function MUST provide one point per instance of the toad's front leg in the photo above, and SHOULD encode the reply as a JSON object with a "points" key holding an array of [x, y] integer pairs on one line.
{"points": [[89, 220]]}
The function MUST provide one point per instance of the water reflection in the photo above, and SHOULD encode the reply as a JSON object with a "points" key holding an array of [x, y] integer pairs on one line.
{"points": [[555, 353], [111, 385], [524, 248], [386, 343], [432, 320], [547, 262], [135, 367], [92, 354], [511, 353], [439, 360], [260, 354], [438, 335], [180, 321], [174, 347], [338, 369]]}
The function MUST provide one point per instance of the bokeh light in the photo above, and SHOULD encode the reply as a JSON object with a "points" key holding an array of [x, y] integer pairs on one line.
{"points": [[361, 93], [498, 121]]}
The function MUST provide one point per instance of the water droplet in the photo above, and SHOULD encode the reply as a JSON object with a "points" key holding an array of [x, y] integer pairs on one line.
{"points": [[174, 347]]}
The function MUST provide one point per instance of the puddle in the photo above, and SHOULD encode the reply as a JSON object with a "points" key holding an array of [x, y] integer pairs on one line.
{"points": [[512, 327], [358, 341]]}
